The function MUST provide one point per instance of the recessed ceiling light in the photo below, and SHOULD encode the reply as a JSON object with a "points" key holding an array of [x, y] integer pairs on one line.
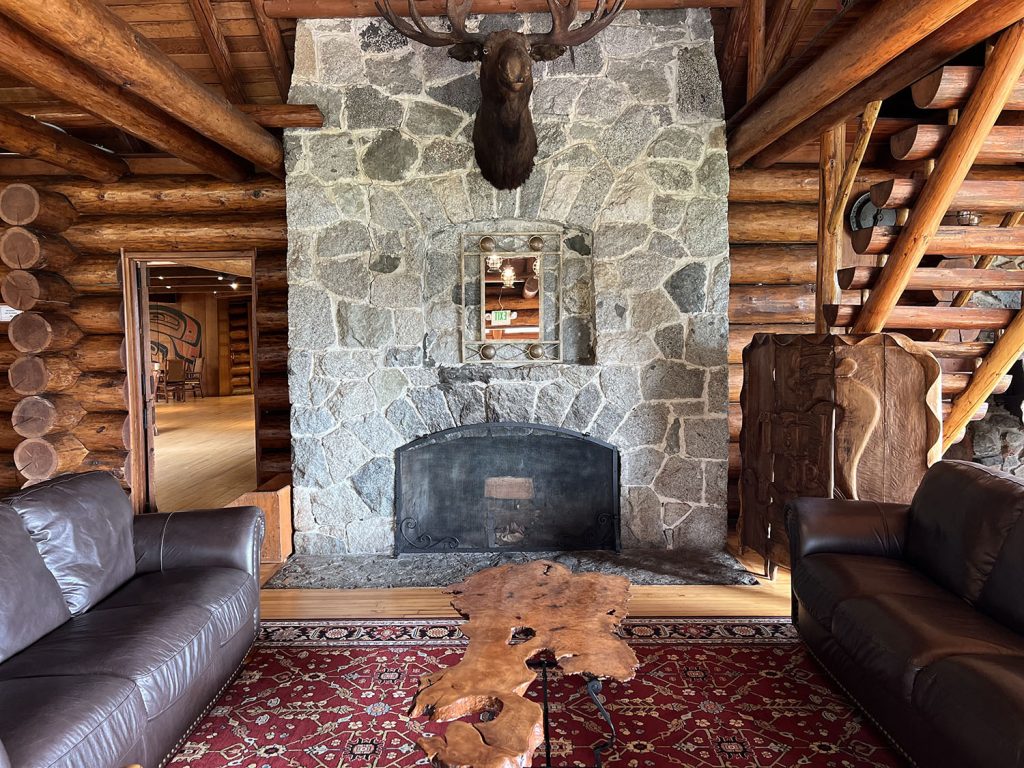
{"points": [[220, 277], [234, 286]]}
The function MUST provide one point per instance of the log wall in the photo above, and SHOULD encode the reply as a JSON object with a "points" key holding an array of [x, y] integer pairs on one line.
{"points": [[63, 398]]}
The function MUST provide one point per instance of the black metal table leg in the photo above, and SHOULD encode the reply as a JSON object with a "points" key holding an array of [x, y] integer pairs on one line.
{"points": [[594, 689]]}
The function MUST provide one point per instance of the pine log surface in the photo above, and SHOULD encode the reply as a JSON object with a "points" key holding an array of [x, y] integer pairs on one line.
{"points": [[515, 613]]}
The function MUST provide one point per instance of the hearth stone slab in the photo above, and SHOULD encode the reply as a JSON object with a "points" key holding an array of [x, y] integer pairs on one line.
{"points": [[640, 566]]}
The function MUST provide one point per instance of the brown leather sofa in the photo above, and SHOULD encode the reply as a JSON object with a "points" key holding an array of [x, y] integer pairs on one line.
{"points": [[116, 632], [917, 611]]}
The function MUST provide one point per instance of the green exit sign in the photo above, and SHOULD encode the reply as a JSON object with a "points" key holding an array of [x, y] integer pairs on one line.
{"points": [[501, 317]]}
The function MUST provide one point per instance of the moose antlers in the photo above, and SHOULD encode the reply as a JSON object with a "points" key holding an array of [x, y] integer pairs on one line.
{"points": [[456, 10], [563, 14]]}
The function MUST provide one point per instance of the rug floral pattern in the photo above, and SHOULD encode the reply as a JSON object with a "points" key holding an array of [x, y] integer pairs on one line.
{"points": [[710, 693]]}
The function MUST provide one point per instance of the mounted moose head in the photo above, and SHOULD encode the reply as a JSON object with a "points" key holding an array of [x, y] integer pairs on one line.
{"points": [[504, 141]]}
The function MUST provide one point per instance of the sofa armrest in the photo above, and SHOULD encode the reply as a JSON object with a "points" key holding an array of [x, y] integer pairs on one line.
{"points": [[228, 538], [846, 527]]}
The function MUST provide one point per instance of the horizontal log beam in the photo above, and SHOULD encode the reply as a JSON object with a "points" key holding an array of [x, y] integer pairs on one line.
{"points": [[987, 18], [170, 194], [265, 115], [1003, 145], [349, 9], [116, 50], [30, 138], [156, 233], [980, 195], [949, 87], [925, 279], [790, 184], [884, 32], [783, 303], [773, 223], [956, 349], [30, 60], [947, 241], [964, 318], [772, 264]]}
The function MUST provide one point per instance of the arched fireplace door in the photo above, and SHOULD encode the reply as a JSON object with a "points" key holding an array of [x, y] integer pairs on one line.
{"points": [[506, 486]]}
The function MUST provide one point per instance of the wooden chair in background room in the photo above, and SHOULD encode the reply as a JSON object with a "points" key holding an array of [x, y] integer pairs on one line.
{"points": [[174, 379], [194, 377]]}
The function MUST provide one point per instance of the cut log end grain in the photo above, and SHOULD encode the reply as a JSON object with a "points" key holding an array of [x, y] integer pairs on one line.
{"points": [[24, 205], [37, 415], [39, 458], [36, 332], [30, 290], [22, 249]]}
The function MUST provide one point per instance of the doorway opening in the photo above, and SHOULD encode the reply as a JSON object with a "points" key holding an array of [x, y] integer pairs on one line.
{"points": [[192, 371]]}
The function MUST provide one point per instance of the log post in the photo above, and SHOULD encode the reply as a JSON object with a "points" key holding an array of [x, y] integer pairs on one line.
{"points": [[35, 290], [880, 35], [40, 415], [22, 249], [115, 49], [23, 205], [1001, 74], [988, 17], [40, 458], [830, 244], [1004, 353], [43, 332], [30, 138]]}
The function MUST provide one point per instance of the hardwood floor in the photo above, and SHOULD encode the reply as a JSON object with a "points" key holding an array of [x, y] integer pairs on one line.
{"points": [[769, 598], [205, 452]]}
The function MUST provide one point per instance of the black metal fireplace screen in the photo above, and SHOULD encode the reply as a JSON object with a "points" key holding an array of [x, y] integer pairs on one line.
{"points": [[506, 486]]}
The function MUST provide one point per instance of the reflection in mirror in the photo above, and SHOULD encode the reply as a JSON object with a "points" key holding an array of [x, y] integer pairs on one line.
{"points": [[511, 297]]}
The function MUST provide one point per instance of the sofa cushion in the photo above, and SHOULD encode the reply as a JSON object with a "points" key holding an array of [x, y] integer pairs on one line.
{"points": [[893, 637], [960, 518], [823, 581], [163, 648], [71, 721], [1002, 598], [978, 703], [82, 526], [31, 603], [229, 594]]}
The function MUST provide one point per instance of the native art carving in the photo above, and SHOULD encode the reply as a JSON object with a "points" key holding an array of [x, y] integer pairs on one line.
{"points": [[855, 417]]}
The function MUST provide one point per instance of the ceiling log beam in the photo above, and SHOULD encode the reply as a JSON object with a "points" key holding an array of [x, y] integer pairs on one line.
{"points": [[881, 35], [30, 138], [348, 9], [266, 115], [277, 52], [782, 38], [115, 49], [1002, 70], [988, 18], [217, 47], [28, 59]]}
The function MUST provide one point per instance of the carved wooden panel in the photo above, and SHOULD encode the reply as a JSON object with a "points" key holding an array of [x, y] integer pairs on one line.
{"points": [[855, 417]]}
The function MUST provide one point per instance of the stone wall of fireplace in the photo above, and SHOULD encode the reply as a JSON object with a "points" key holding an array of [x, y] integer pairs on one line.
{"points": [[632, 170]]}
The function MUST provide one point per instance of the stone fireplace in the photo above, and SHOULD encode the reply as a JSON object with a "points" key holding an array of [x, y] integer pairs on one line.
{"points": [[631, 178]]}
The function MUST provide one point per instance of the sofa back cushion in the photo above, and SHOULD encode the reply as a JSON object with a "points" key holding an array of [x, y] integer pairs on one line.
{"points": [[31, 603], [82, 526], [960, 519], [1002, 597]]}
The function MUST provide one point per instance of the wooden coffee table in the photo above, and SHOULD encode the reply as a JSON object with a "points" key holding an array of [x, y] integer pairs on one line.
{"points": [[522, 619]]}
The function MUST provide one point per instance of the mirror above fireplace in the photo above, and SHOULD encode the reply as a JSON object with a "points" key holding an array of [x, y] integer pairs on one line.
{"points": [[511, 308]]}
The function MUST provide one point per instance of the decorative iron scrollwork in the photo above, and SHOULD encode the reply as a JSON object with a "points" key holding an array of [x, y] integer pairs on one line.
{"points": [[424, 540]]}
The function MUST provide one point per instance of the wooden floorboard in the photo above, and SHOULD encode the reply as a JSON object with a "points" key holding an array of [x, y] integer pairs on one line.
{"points": [[768, 598], [205, 452]]}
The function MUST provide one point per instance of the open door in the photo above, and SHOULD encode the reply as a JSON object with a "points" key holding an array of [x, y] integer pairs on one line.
{"points": [[191, 369]]}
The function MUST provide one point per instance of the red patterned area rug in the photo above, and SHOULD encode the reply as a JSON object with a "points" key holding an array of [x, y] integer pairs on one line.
{"points": [[709, 692]]}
